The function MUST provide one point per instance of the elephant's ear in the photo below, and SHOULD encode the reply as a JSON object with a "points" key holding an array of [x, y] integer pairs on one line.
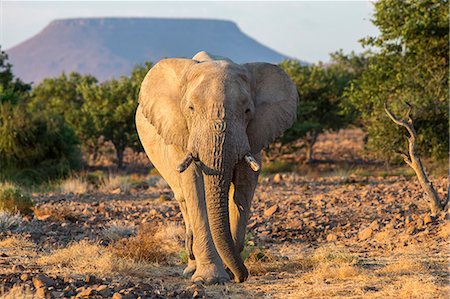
{"points": [[160, 97], [276, 100]]}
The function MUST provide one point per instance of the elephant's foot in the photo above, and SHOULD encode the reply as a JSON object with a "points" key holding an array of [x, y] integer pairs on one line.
{"points": [[190, 269], [210, 273]]}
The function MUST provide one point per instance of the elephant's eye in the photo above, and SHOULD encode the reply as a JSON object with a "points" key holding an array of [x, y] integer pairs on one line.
{"points": [[191, 108], [247, 110]]}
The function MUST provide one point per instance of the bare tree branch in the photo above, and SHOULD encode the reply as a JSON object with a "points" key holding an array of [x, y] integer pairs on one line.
{"points": [[413, 160]]}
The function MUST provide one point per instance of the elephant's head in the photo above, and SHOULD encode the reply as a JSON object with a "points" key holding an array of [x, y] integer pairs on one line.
{"points": [[219, 113]]}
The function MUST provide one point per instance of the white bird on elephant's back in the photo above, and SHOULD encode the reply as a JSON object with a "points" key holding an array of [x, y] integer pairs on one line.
{"points": [[203, 123]]}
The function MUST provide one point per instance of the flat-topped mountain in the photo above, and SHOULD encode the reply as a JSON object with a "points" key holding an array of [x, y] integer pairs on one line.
{"points": [[110, 47]]}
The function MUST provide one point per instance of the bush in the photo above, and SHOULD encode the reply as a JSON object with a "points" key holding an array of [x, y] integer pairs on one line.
{"points": [[33, 150], [13, 199]]}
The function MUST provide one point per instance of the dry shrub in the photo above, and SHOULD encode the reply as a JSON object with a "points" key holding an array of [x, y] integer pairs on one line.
{"points": [[18, 292], [326, 271], [55, 213], [9, 221], [75, 185], [151, 244], [330, 263], [14, 199], [116, 231], [260, 261]]}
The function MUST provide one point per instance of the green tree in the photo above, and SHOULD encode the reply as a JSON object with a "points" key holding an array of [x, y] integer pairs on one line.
{"points": [[61, 97], [410, 64], [320, 89], [32, 148], [112, 106]]}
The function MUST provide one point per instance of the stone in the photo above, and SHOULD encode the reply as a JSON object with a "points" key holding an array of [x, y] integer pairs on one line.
{"points": [[270, 211], [428, 219], [38, 283], [365, 233], [277, 178], [40, 292], [24, 276], [101, 287], [117, 296], [90, 279], [18, 268], [57, 294], [116, 191], [85, 293], [331, 237], [411, 229]]}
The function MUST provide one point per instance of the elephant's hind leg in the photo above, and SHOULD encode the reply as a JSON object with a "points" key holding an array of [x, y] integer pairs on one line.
{"points": [[191, 267]]}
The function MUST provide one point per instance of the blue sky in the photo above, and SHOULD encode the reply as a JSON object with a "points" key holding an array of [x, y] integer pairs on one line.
{"points": [[307, 30]]}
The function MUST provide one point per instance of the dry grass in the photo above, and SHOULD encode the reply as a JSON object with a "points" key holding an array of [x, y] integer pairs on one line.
{"points": [[133, 256], [404, 266], [114, 183], [89, 258], [333, 272], [75, 185], [16, 242], [18, 292]]}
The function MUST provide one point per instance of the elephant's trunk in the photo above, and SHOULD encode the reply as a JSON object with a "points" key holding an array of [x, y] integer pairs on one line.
{"points": [[219, 158]]}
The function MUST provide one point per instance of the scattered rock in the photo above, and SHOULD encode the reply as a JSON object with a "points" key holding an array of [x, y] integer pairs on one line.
{"points": [[116, 191], [270, 211], [365, 233], [24, 276]]}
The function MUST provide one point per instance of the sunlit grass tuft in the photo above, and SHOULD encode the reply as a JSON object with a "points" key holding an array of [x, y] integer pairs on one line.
{"points": [[74, 185]]}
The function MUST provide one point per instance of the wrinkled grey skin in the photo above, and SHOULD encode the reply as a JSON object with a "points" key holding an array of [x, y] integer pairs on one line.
{"points": [[215, 111]]}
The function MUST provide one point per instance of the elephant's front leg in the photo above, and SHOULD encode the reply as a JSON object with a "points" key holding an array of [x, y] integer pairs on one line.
{"points": [[209, 266], [240, 199]]}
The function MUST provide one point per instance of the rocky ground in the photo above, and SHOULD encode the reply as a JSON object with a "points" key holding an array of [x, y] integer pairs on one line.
{"points": [[344, 236]]}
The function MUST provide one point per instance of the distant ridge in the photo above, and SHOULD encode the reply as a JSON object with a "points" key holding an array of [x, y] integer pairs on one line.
{"points": [[110, 47]]}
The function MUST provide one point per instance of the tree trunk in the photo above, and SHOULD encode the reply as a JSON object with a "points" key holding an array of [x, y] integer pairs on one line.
{"points": [[413, 160], [310, 140], [119, 154]]}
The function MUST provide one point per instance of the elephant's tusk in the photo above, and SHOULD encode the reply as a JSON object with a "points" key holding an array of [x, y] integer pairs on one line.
{"points": [[185, 163], [252, 162]]}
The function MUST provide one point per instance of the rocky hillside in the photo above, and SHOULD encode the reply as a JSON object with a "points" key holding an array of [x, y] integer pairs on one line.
{"points": [[110, 47]]}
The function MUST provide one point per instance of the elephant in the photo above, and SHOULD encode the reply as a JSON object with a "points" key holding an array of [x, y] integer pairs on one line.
{"points": [[203, 123]]}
